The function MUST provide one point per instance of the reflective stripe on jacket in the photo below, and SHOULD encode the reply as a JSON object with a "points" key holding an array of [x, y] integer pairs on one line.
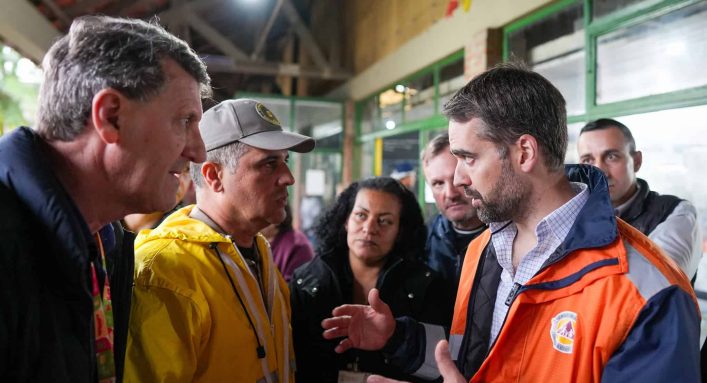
{"points": [[608, 306], [187, 324]]}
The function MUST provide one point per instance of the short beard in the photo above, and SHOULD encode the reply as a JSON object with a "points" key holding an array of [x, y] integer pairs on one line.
{"points": [[507, 199]]}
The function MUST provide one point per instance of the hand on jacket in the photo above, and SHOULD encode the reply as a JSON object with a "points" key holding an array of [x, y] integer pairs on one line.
{"points": [[363, 327], [445, 364]]}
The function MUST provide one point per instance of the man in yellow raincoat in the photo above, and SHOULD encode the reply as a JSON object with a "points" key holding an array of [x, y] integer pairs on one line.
{"points": [[209, 304]]}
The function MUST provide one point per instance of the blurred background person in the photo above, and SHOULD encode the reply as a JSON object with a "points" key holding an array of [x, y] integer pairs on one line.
{"points": [[371, 237], [310, 209], [456, 224], [405, 173], [290, 247]]}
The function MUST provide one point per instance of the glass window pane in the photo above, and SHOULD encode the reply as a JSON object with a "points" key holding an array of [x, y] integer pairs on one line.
{"points": [[572, 157], [321, 120], [451, 79], [326, 164], [400, 158], [369, 116], [658, 56], [368, 150], [391, 105], [604, 7], [554, 47], [419, 98]]}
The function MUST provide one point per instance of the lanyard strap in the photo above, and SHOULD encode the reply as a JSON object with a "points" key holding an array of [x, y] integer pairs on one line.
{"points": [[252, 303], [251, 307], [103, 321]]}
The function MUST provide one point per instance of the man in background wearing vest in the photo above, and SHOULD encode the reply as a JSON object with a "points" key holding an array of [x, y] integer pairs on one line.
{"points": [[556, 290], [209, 304], [667, 220], [450, 231]]}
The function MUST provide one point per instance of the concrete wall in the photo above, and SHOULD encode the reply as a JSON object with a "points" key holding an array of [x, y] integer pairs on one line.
{"points": [[25, 29], [443, 38]]}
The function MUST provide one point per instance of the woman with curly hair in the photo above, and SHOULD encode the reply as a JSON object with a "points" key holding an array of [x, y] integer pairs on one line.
{"points": [[372, 237]]}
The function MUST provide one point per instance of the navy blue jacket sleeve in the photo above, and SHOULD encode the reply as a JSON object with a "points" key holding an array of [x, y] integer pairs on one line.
{"points": [[406, 348], [663, 345]]}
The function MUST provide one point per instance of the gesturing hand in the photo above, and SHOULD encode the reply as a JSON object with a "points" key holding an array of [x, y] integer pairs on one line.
{"points": [[445, 364], [363, 327]]}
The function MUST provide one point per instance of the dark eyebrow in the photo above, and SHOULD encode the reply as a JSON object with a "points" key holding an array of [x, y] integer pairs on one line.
{"points": [[272, 158], [462, 153], [610, 151], [267, 159]]}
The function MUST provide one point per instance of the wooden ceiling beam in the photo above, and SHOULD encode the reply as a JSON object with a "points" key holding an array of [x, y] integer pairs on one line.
{"points": [[304, 34], [260, 44], [224, 64], [216, 38], [58, 12]]}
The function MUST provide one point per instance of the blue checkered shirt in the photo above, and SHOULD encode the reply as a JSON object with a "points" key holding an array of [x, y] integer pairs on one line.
{"points": [[550, 233]]}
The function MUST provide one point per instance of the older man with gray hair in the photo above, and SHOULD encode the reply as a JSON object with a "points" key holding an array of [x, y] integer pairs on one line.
{"points": [[118, 118]]}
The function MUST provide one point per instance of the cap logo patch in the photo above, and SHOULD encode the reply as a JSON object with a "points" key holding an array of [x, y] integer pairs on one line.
{"points": [[266, 114], [562, 331]]}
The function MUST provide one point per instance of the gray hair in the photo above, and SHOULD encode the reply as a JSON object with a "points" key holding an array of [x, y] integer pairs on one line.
{"points": [[511, 100], [227, 156], [435, 147], [105, 52]]}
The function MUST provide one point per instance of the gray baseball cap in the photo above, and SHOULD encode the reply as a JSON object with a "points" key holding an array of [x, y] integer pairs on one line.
{"points": [[251, 123]]}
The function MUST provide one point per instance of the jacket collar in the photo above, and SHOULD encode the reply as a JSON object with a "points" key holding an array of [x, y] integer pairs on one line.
{"points": [[635, 208], [441, 227], [25, 171], [181, 225], [595, 225]]}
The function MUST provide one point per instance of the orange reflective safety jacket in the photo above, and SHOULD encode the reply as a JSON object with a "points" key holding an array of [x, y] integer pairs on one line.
{"points": [[607, 306]]}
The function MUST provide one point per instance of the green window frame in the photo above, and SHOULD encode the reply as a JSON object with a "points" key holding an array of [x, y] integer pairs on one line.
{"points": [[422, 125], [594, 28]]}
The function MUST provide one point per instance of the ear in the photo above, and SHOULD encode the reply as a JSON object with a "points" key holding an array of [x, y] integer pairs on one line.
{"points": [[637, 160], [105, 109], [213, 176], [527, 152]]}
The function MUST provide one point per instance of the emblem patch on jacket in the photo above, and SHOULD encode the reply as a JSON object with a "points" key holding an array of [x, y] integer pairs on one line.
{"points": [[562, 331]]}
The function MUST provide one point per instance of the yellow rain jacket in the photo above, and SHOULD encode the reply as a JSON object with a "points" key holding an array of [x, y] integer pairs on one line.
{"points": [[188, 325]]}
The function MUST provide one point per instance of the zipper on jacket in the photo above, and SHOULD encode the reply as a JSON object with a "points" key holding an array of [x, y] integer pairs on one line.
{"points": [[512, 293], [515, 291], [518, 289]]}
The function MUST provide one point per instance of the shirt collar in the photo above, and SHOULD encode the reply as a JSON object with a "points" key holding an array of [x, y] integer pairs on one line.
{"points": [[558, 224]]}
